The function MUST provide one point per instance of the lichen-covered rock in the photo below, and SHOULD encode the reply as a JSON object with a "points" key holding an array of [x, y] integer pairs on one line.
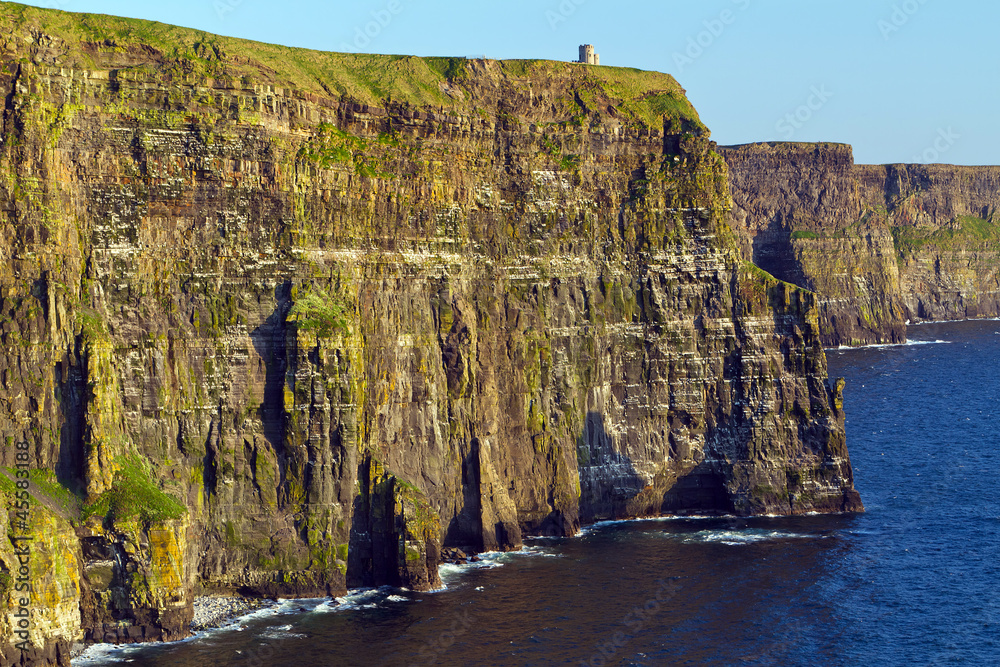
{"points": [[880, 245], [285, 332], [40, 577], [137, 584], [399, 533]]}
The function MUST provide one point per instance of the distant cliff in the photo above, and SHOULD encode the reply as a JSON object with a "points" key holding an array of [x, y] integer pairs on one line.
{"points": [[880, 245], [284, 322]]}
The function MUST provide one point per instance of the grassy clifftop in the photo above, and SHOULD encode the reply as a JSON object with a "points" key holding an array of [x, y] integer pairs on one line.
{"points": [[98, 41]]}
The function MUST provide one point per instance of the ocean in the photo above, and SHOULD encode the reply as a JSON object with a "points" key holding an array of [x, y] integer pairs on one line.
{"points": [[914, 580]]}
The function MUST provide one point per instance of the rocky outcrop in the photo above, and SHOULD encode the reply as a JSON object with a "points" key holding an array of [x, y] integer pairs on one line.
{"points": [[282, 331], [880, 245], [40, 568]]}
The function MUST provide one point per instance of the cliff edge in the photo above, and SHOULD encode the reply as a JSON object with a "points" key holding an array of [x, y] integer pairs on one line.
{"points": [[284, 322], [880, 245]]}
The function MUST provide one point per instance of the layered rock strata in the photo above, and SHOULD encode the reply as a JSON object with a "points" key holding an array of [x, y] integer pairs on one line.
{"points": [[880, 245], [282, 332]]}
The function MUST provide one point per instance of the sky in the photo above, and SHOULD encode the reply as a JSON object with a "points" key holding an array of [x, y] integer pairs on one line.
{"points": [[900, 80]]}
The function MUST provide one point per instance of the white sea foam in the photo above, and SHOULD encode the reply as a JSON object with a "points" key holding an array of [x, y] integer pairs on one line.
{"points": [[103, 654], [280, 632], [362, 598], [451, 573], [368, 598], [282, 607], [587, 530], [968, 319], [741, 537], [883, 346]]}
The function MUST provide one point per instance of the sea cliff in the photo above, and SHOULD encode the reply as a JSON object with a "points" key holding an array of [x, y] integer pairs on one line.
{"points": [[880, 245], [282, 322]]}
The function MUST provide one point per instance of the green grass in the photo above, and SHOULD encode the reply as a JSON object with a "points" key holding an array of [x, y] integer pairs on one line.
{"points": [[145, 49], [756, 273], [569, 162], [91, 324], [135, 495], [967, 232], [650, 107], [978, 228], [331, 145], [644, 96], [805, 234], [7, 486], [453, 69], [46, 481], [791, 147]]}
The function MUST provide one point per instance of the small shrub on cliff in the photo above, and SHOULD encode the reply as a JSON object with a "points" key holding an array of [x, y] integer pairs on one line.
{"points": [[319, 312], [569, 162]]}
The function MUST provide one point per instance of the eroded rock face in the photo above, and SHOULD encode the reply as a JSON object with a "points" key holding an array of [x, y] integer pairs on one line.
{"points": [[879, 244], [40, 576], [283, 343]]}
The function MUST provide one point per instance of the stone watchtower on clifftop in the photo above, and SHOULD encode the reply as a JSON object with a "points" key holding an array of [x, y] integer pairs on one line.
{"points": [[588, 56]]}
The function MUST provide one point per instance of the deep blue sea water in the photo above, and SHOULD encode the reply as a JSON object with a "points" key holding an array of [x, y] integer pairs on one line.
{"points": [[914, 580]]}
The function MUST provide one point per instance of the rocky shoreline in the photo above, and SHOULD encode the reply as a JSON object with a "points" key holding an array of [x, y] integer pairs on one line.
{"points": [[459, 556], [217, 611]]}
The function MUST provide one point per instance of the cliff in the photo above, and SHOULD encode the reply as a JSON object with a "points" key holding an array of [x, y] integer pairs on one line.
{"points": [[880, 245], [285, 322]]}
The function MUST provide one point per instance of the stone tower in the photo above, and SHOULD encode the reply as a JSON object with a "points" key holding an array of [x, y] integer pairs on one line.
{"points": [[588, 56]]}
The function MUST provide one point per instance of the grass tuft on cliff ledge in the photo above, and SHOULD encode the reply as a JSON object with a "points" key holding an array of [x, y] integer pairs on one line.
{"points": [[102, 42], [135, 495]]}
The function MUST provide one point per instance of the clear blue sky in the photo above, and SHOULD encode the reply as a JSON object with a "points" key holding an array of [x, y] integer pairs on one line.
{"points": [[901, 80]]}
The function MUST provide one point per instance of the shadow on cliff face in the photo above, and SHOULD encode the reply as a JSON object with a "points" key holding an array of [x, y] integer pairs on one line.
{"points": [[370, 557], [612, 488], [466, 528], [773, 251], [395, 536], [71, 387], [608, 478], [269, 340]]}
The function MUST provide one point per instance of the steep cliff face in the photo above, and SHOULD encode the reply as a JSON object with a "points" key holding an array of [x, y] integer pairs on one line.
{"points": [[945, 226], [879, 244], [285, 331]]}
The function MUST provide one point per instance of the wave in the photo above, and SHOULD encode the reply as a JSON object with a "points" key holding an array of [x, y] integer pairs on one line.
{"points": [[741, 537], [452, 573], [610, 523], [881, 346], [279, 632], [967, 319], [104, 654], [362, 598]]}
